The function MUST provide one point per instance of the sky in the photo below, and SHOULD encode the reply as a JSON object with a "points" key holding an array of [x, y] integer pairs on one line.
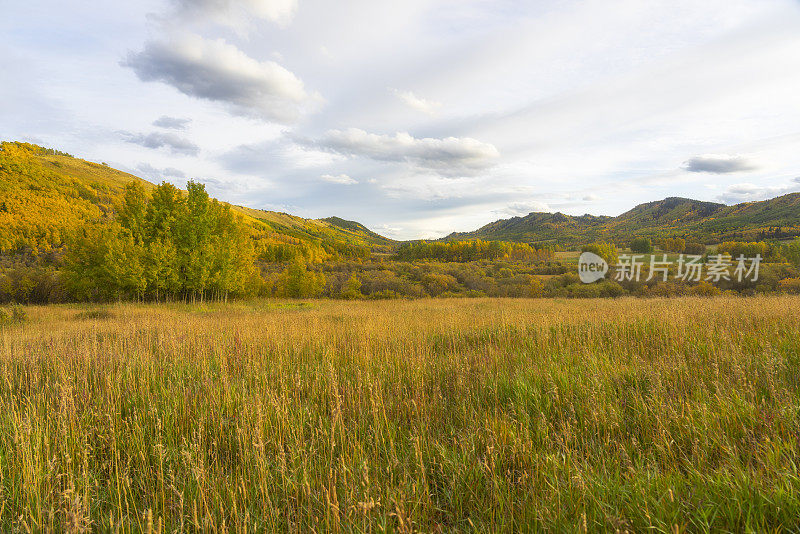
{"points": [[422, 117]]}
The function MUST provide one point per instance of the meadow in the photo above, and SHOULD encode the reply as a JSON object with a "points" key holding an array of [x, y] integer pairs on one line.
{"points": [[437, 415]]}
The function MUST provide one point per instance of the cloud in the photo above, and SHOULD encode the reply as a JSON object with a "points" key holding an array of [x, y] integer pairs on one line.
{"points": [[171, 123], [236, 13], [718, 164], [426, 106], [278, 156], [341, 179], [451, 156], [519, 209], [175, 143], [390, 231], [591, 197], [155, 175], [747, 192], [217, 71]]}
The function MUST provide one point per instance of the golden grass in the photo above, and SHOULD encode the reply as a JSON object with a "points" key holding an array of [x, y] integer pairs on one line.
{"points": [[430, 415]]}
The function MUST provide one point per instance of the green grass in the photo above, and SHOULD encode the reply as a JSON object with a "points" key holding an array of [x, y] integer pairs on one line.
{"points": [[433, 416]]}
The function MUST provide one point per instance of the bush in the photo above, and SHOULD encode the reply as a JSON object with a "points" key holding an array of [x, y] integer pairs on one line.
{"points": [[352, 289], [641, 245], [609, 288], [704, 289], [791, 252], [790, 285], [748, 250]]}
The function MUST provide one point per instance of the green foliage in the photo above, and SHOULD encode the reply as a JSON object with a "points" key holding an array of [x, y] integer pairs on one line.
{"points": [[748, 250], [352, 289], [27, 282], [297, 281], [464, 251], [607, 251], [791, 252], [163, 246], [641, 245]]}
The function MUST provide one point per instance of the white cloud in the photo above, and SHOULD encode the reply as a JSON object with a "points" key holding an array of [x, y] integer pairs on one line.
{"points": [[451, 156], [520, 209], [156, 175], [389, 231], [236, 13], [575, 97], [218, 71], [175, 143], [279, 155], [748, 192], [341, 179], [171, 123], [431, 187], [426, 106], [718, 164]]}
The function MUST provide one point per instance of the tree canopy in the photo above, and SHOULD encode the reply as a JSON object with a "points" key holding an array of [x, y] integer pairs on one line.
{"points": [[164, 245]]}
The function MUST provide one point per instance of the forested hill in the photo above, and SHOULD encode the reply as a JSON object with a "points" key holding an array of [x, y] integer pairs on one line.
{"points": [[705, 222], [48, 197]]}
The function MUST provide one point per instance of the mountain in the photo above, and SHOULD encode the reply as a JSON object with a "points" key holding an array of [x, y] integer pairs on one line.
{"points": [[47, 197], [359, 230], [538, 227], [693, 220]]}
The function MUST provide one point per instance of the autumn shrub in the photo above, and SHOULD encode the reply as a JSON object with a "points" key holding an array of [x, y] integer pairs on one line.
{"points": [[790, 285], [705, 289]]}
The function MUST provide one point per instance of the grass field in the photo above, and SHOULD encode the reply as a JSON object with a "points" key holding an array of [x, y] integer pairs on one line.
{"points": [[429, 415]]}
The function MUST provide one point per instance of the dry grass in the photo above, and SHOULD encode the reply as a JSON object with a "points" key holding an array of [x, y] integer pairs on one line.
{"points": [[433, 415]]}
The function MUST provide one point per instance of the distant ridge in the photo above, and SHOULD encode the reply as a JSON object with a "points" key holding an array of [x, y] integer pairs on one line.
{"points": [[46, 196], [707, 222]]}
